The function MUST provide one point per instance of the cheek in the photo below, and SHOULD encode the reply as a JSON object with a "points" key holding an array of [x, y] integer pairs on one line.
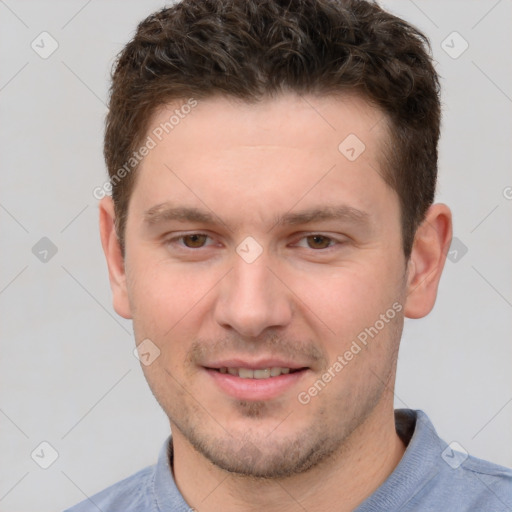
{"points": [[168, 303], [159, 288], [345, 301]]}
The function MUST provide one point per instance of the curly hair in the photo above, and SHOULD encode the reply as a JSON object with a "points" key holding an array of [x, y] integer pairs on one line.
{"points": [[255, 49]]}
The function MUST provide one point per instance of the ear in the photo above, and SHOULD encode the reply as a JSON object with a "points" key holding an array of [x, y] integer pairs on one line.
{"points": [[430, 247], [115, 260]]}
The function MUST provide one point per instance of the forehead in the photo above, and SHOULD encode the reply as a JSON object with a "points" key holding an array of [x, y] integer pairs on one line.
{"points": [[283, 119], [264, 156]]}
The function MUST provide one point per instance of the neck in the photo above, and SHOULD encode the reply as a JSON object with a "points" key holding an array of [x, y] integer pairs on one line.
{"points": [[341, 483]]}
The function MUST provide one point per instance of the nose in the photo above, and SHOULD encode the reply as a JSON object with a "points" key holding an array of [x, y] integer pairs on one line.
{"points": [[251, 299]]}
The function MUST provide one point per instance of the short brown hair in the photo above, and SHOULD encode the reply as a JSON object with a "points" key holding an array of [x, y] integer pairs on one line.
{"points": [[252, 49]]}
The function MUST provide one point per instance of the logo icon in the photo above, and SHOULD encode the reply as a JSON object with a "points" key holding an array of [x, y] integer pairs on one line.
{"points": [[454, 454], [454, 45], [146, 352], [44, 250], [44, 45], [44, 455], [457, 250], [249, 250], [351, 147]]}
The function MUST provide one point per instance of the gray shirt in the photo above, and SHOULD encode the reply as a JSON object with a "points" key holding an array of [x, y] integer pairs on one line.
{"points": [[432, 476]]}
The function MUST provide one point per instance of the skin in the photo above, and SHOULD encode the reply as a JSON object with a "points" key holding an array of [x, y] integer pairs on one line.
{"points": [[304, 299]]}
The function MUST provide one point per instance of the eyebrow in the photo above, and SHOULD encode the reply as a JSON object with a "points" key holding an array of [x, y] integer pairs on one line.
{"points": [[165, 212], [339, 213]]}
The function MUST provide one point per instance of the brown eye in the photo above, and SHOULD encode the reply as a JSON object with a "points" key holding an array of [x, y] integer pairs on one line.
{"points": [[318, 241], [194, 241]]}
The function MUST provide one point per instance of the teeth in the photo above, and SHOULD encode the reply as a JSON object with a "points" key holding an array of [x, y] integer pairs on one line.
{"points": [[262, 374], [274, 372], [245, 373], [249, 373]]}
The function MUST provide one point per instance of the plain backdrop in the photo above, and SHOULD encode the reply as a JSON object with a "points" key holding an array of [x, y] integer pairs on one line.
{"points": [[68, 376]]}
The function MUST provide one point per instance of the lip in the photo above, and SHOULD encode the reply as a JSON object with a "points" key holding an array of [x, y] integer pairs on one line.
{"points": [[255, 389], [258, 364]]}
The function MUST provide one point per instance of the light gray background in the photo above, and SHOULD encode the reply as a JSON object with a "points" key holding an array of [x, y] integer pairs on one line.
{"points": [[67, 372]]}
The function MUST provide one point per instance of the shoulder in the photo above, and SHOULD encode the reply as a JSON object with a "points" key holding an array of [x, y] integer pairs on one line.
{"points": [[433, 475], [465, 482], [491, 479], [129, 495], [474, 485]]}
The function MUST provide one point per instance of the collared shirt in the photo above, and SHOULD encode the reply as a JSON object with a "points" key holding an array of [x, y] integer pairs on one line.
{"points": [[431, 476]]}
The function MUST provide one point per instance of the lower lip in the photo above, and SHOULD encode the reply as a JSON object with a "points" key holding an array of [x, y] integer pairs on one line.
{"points": [[255, 389]]}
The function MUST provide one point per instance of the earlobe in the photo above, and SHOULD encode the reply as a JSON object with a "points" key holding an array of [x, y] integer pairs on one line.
{"points": [[428, 256], [114, 257]]}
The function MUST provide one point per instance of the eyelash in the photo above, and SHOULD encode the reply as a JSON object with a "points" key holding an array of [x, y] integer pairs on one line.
{"points": [[179, 238]]}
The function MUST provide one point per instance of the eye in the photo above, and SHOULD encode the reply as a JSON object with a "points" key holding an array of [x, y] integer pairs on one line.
{"points": [[191, 244], [194, 241], [316, 241]]}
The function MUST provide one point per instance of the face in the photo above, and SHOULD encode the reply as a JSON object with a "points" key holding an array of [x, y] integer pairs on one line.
{"points": [[264, 263]]}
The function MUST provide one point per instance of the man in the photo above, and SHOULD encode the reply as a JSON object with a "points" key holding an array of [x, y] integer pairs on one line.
{"points": [[273, 168]]}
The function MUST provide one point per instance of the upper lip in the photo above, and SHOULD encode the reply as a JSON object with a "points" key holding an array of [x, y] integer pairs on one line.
{"points": [[259, 364]]}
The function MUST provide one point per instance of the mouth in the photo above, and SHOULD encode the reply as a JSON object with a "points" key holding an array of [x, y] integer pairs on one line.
{"points": [[256, 382], [257, 373]]}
